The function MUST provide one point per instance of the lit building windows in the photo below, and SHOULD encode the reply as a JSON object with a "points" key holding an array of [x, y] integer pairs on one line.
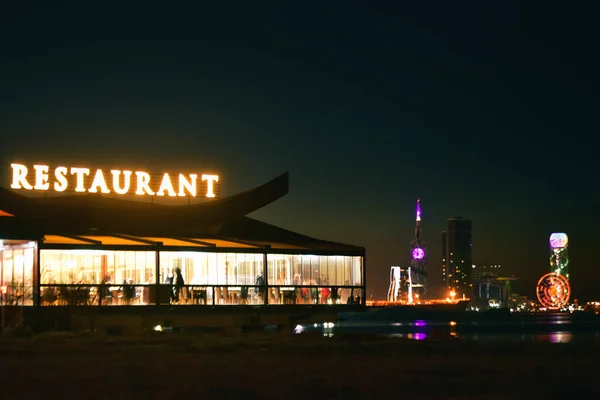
{"points": [[16, 274], [208, 277]]}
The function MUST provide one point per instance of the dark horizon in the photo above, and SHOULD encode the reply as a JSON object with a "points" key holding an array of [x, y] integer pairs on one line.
{"points": [[480, 110]]}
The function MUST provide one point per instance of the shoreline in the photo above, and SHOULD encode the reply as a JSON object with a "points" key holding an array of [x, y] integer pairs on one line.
{"points": [[275, 365]]}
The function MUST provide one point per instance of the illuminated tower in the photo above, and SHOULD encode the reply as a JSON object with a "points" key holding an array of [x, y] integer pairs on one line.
{"points": [[418, 261], [394, 290], [559, 258]]}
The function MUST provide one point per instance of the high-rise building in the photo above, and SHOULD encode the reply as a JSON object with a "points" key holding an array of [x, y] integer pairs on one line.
{"points": [[418, 259], [444, 262], [559, 257], [457, 259]]}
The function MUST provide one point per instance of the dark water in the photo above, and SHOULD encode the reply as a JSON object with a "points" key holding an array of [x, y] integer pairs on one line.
{"points": [[548, 328]]}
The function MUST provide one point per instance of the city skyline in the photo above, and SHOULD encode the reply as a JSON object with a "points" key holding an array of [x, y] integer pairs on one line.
{"points": [[436, 270], [480, 111]]}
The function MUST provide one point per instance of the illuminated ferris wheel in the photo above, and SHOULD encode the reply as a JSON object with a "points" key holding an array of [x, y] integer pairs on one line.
{"points": [[553, 291]]}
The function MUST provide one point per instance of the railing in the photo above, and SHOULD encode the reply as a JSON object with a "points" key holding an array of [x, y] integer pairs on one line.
{"points": [[152, 294]]}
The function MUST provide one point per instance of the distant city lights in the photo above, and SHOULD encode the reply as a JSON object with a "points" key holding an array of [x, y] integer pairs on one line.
{"points": [[553, 291]]}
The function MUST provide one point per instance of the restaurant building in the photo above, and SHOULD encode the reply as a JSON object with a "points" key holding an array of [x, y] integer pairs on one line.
{"points": [[100, 248]]}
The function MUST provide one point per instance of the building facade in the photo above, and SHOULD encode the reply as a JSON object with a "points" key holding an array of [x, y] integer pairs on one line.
{"points": [[483, 271], [400, 289], [93, 250], [457, 259], [490, 287]]}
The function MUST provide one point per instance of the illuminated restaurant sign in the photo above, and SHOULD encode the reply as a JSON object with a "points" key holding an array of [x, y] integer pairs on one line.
{"points": [[86, 180]]}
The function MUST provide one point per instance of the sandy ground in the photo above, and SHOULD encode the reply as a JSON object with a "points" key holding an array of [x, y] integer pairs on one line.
{"points": [[282, 366]]}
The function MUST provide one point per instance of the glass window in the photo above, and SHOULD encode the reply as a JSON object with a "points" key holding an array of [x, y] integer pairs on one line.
{"points": [[279, 269], [28, 280], [200, 268], [96, 266], [186, 261], [242, 268], [306, 268], [357, 270], [198, 273], [7, 270], [314, 270], [16, 273]]}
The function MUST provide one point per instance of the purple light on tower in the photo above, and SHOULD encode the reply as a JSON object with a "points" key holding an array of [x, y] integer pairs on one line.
{"points": [[419, 210], [418, 253]]}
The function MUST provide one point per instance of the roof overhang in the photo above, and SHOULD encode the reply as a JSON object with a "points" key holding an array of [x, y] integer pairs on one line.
{"points": [[82, 220], [80, 213]]}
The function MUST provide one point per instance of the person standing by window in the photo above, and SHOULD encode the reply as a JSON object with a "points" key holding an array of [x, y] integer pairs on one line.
{"points": [[178, 284]]}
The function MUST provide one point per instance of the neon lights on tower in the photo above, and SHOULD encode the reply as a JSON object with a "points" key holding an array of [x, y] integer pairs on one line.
{"points": [[559, 257], [418, 253], [553, 289], [418, 259]]}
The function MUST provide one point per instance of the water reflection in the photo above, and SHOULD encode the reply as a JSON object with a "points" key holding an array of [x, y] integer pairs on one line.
{"points": [[551, 337], [413, 336], [417, 336], [421, 330], [560, 337]]}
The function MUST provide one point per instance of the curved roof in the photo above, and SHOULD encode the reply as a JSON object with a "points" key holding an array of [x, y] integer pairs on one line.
{"points": [[83, 212], [221, 218]]}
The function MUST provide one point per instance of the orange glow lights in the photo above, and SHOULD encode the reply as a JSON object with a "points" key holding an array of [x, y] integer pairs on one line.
{"points": [[553, 291], [115, 181]]}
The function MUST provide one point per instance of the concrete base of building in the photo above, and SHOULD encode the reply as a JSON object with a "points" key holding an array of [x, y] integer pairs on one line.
{"points": [[132, 320]]}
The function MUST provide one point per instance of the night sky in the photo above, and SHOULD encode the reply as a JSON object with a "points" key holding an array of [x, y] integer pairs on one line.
{"points": [[486, 110]]}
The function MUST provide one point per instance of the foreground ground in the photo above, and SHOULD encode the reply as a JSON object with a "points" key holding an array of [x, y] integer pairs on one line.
{"points": [[282, 366]]}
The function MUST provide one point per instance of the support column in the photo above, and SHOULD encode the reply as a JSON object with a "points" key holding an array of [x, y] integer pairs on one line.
{"points": [[266, 275], [157, 276], [364, 280], [37, 273]]}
